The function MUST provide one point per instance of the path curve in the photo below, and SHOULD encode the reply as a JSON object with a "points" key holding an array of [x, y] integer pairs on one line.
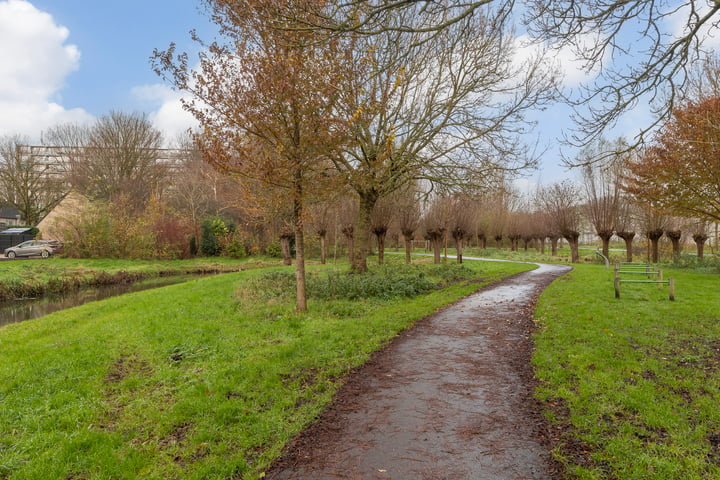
{"points": [[450, 398]]}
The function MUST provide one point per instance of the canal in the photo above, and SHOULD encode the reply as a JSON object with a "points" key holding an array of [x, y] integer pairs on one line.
{"points": [[14, 311]]}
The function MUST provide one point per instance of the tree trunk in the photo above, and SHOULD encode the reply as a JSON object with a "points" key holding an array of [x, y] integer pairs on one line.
{"points": [[605, 238], [483, 240], [437, 248], [323, 249], [628, 238], [301, 303], [654, 250], [542, 245], [498, 241], [554, 246], [459, 247], [408, 248], [285, 248], [350, 237], [364, 223], [700, 240], [674, 236], [573, 240], [654, 237], [381, 245], [301, 297]]}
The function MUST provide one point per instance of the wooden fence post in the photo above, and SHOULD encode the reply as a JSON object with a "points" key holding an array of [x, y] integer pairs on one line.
{"points": [[660, 277], [617, 286], [671, 288]]}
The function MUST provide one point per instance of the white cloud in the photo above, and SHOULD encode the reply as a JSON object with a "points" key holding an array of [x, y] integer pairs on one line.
{"points": [[572, 69], [34, 62], [678, 24], [168, 115]]}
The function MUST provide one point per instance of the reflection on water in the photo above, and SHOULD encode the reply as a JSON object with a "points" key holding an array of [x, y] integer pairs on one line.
{"points": [[14, 311]]}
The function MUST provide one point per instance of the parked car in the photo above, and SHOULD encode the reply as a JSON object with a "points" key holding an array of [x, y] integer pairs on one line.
{"points": [[31, 248]]}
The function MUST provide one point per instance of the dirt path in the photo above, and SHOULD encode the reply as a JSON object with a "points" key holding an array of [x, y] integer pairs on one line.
{"points": [[450, 398]]}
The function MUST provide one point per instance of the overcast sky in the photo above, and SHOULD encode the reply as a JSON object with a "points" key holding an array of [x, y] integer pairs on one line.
{"points": [[74, 60]]}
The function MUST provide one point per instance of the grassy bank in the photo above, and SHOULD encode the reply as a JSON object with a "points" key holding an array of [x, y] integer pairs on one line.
{"points": [[29, 278], [632, 385], [200, 380]]}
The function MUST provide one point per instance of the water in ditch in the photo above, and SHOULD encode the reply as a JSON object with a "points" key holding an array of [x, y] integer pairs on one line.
{"points": [[14, 311]]}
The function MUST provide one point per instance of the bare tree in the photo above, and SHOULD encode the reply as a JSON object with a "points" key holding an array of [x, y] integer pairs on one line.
{"points": [[654, 223], [407, 218], [561, 202], [321, 216], [26, 182], [347, 217], [673, 231], [625, 224], [445, 107], [602, 188], [654, 70], [460, 222], [435, 224], [116, 155], [380, 220], [699, 236]]}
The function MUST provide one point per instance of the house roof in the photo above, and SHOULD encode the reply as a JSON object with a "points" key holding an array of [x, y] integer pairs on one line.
{"points": [[15, 231], [9, 212]]}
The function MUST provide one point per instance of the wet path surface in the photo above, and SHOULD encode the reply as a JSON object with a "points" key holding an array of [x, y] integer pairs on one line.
{"points": [[450, 398]]}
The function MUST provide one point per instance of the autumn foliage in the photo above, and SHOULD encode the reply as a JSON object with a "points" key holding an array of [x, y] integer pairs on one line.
{"points": [[680, 171]]}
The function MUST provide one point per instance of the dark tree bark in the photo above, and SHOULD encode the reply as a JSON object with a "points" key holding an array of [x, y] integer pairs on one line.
{"points": [[700, 239], [628, 238], [349, 232], [436, 240], [654, 237], [285, 247], [674, 236]]}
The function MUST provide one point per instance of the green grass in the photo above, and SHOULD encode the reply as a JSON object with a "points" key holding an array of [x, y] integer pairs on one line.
{"points": [[632, 385], [190, 381]]}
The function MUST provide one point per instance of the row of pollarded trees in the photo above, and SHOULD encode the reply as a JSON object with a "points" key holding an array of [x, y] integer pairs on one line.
{"points": [[562, 210]]}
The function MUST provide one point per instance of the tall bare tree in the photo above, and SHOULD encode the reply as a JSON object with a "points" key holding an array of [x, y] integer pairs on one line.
{"points": [[561, 201], [27, 183], [118, 154], [445, 107], [602, 188]]}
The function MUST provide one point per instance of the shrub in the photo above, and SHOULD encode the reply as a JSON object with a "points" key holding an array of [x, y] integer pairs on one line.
{"points": [[274, 249], [386, 283], [236, 248], [211, 232]]}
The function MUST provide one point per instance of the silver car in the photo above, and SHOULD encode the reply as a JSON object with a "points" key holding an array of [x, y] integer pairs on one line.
{"points": [[31, 248]]}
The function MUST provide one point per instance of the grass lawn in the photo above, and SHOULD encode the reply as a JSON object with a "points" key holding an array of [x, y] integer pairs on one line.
{"points": [[632, 385], [204, 380]]}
